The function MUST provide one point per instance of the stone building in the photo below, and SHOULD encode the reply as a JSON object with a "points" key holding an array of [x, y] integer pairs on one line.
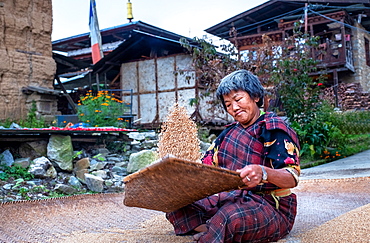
{"points": [[26, 68]]}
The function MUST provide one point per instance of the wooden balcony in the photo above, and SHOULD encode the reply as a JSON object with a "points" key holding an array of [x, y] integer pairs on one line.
{"points": [[335, 54]]}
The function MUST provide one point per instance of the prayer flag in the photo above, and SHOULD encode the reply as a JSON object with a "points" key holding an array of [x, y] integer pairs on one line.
{"points": [[95, 36]]}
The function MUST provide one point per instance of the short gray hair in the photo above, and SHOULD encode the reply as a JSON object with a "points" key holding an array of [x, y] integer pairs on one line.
{"points": [[241, 80]]}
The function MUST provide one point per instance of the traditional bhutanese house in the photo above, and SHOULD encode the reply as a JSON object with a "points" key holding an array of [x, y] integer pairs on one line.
{"points": [[343, 28], [144, 65]]}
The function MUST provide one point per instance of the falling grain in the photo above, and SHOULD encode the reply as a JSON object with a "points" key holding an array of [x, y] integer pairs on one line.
{"points": [[179, 136]]}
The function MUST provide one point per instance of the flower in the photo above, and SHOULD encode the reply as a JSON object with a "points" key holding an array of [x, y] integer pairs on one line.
{"points": [[289, 161], [319, 84], [101, 109]]}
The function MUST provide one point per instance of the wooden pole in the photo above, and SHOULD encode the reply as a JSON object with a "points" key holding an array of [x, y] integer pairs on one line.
{"points": [[335, 76], [70, 101], [306, 19]]}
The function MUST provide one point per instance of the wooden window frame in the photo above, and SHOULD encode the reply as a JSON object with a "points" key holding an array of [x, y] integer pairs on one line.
{"points": [[367, 51]]}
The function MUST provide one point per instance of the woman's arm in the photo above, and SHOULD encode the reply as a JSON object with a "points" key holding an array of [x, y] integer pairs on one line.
{"points": [[252, 176]]}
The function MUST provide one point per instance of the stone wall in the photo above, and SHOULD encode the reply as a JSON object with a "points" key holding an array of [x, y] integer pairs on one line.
{"points": [[350, 97], [26, 56], [362, 74]]}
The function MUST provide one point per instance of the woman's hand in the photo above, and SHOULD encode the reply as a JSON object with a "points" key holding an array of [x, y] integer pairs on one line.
{"points": [[252, 176]]}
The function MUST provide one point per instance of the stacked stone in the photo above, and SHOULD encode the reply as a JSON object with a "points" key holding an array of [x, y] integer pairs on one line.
{"points": [[350, 97]]}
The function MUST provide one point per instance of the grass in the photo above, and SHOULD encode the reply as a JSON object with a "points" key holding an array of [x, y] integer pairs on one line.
{"points": [[356, 144]]}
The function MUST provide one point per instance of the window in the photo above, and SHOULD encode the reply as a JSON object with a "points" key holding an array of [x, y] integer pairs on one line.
{"points": [[367, 51]]}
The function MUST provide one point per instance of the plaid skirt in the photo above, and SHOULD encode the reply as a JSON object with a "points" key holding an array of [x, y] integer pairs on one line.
{"points": [[237, 216]]}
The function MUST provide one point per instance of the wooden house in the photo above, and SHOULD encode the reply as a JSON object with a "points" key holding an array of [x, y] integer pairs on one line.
{"points": [[144, 65], [342, 25]]}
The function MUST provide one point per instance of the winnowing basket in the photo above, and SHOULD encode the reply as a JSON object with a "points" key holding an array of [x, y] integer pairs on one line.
{"points": [[172, 183]]}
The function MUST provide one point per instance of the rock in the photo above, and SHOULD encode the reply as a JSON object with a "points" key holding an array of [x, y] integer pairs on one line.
{"points": [[60, 151], [6, 158], [8, 186], [96, 165], [119, 170], [51, 172], [204, 146], [81, 169], [114, 159], [122, 164], [102, 151], [23, 162], [136, 136], [73, 181], [33, 149], [65, 189], [15, 126], [42, 168], [94, 183], [141, 160], [81, 174], [148, 144], [140, 136], [82, 164], [100, 173]]}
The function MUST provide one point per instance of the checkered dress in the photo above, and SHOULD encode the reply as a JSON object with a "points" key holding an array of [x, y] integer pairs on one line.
{"points": [[245, 215]]}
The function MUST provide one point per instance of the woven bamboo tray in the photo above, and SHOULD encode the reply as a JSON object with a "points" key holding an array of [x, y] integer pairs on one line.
{"points": [[172, 183]]}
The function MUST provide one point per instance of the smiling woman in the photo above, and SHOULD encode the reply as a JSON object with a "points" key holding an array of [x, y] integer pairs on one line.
{"points": [[265, 151], [236, 98]]}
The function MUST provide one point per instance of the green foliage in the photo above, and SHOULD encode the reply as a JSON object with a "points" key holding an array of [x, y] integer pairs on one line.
{"points": [[319, 139], [32, 120], [297, 89], [117, 146], [75, 155], [101, 110], [351, 122], [286, 68], [210, 65], [99, 157], [14, 171]]}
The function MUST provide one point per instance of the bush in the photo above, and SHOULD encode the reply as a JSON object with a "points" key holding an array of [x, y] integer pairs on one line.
{"points": [[15, 172], [320, 139], [101, 110], [351, 122]]}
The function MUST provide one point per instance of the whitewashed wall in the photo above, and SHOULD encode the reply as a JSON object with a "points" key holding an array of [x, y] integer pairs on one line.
{"points": [[158, 84]]}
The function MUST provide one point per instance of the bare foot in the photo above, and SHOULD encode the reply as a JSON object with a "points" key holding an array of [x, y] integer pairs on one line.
{"points": [[201, 228]]}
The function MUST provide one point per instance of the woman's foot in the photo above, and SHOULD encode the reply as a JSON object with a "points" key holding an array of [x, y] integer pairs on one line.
{"points": [[202, 229]]}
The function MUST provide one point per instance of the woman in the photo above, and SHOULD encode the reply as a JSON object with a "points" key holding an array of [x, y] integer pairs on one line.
{"points": [[263, 148]]}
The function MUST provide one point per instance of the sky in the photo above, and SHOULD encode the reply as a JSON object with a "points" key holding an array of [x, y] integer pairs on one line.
{"points": [[188, 18]]}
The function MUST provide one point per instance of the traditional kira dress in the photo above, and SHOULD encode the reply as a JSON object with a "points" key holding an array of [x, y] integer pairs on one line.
{"points": [[259, 214]]}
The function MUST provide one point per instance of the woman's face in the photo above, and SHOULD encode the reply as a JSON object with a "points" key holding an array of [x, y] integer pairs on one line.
{"points": [[242, 107]]}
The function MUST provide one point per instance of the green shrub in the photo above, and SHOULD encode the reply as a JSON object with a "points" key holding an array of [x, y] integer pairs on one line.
{"points": [[351, 122], [14, 171], [320, 140], [101, 110]]}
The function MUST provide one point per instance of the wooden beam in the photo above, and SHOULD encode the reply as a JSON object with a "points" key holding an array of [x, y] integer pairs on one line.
{"points": [[70, 101]]}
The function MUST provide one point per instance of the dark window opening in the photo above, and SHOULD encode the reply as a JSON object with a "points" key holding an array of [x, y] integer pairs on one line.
{"points": [[367, 51]]}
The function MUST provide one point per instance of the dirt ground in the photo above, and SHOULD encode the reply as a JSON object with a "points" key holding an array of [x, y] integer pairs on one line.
{"points": [[328, 211]]}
